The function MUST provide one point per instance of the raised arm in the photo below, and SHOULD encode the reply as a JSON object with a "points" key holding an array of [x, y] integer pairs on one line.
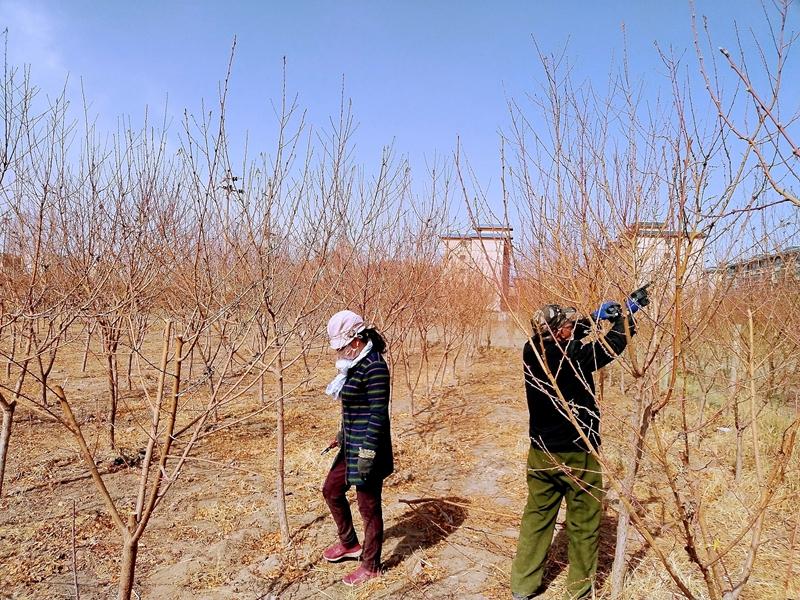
{"points": [[596, 355]]}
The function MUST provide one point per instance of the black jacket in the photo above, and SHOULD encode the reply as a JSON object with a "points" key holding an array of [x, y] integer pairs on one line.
{"points": [[572, 364]]}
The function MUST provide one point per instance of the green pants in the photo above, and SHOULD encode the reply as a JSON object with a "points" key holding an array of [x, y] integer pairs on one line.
{"points": [[577, 477]]}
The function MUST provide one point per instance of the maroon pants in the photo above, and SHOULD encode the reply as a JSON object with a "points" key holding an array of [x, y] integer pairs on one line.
{"points": [[369, 505]]}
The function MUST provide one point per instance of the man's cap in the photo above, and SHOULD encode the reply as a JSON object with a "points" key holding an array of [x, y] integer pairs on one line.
{"points": [[343, 328], [550, 317]]}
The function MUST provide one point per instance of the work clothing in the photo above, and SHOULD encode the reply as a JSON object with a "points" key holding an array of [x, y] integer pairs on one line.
{"points": [[365, 456], [560, 464], [369, 505], [572, 365], [577, 477], [365, 419]]}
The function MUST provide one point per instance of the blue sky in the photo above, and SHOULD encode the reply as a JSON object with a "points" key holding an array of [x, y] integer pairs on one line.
{"points": [[420, 73]]}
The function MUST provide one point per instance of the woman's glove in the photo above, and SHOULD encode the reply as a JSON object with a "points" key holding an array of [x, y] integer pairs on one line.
{"points": [[366, 463]]}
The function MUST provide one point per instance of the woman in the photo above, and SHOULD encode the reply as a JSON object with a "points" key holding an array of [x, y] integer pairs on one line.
{"points": [[365, 447]]}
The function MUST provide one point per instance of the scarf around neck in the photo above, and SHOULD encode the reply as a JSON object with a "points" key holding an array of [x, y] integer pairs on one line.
{"points": [[343, 365]]}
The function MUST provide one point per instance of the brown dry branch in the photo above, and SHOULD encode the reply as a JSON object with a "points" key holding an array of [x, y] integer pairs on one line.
{"points": [[767, 138], [132, 530], [242, 264], [589, 203]]}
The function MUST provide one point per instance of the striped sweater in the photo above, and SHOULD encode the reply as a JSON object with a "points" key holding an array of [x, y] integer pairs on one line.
{"points": [[365, 417]]}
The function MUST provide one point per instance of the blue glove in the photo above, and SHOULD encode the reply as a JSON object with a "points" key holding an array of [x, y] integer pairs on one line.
{"points": [[632, 305], [608, 310]]}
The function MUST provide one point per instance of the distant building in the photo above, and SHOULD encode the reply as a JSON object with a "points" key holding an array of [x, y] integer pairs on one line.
{"points": [[486, 251], [11, 262], [651, 249], [12, 268], [772, 268]]}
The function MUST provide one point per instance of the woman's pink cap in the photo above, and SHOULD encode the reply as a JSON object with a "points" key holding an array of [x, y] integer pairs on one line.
{"points": [[343, 327]]}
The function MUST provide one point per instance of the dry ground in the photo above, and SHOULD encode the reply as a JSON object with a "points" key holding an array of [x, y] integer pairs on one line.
{"points": [[451, 509]]}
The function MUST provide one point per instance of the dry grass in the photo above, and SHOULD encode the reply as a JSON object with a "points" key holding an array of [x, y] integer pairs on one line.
{"points": [[463, 455]]}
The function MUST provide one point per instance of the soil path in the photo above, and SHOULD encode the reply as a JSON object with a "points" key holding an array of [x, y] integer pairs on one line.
{"points": [[451, 509], [452, 515]]}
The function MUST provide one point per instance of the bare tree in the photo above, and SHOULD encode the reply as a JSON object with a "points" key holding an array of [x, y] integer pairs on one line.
{"points": [[607, 196]]}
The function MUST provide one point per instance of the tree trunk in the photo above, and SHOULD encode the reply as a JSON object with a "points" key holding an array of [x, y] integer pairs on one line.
{"points": [[130, 549], [305, 360], [5, 436], [640, 423], [45, 371], [280, 490], [86, 348], [129, 371], [411, 387], [737, 418], [156, 418], [262, 348], [737, 423], [12, 354], [737, 470], [42, 379], [112, 391]]}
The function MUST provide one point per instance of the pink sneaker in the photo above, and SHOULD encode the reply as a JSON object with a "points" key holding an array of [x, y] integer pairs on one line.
{"points": [[359, 576], [339, 552]]}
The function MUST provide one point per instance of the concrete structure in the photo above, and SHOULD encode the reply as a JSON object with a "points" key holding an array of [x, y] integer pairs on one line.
{"points": [[486, 251], [652, 248], [762, 268]]}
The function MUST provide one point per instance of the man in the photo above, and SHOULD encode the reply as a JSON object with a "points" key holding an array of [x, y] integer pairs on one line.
{"points": [[565, 434]]}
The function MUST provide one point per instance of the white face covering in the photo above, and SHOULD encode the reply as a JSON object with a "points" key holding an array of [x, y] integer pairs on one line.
{"points": [[343, 365]]}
